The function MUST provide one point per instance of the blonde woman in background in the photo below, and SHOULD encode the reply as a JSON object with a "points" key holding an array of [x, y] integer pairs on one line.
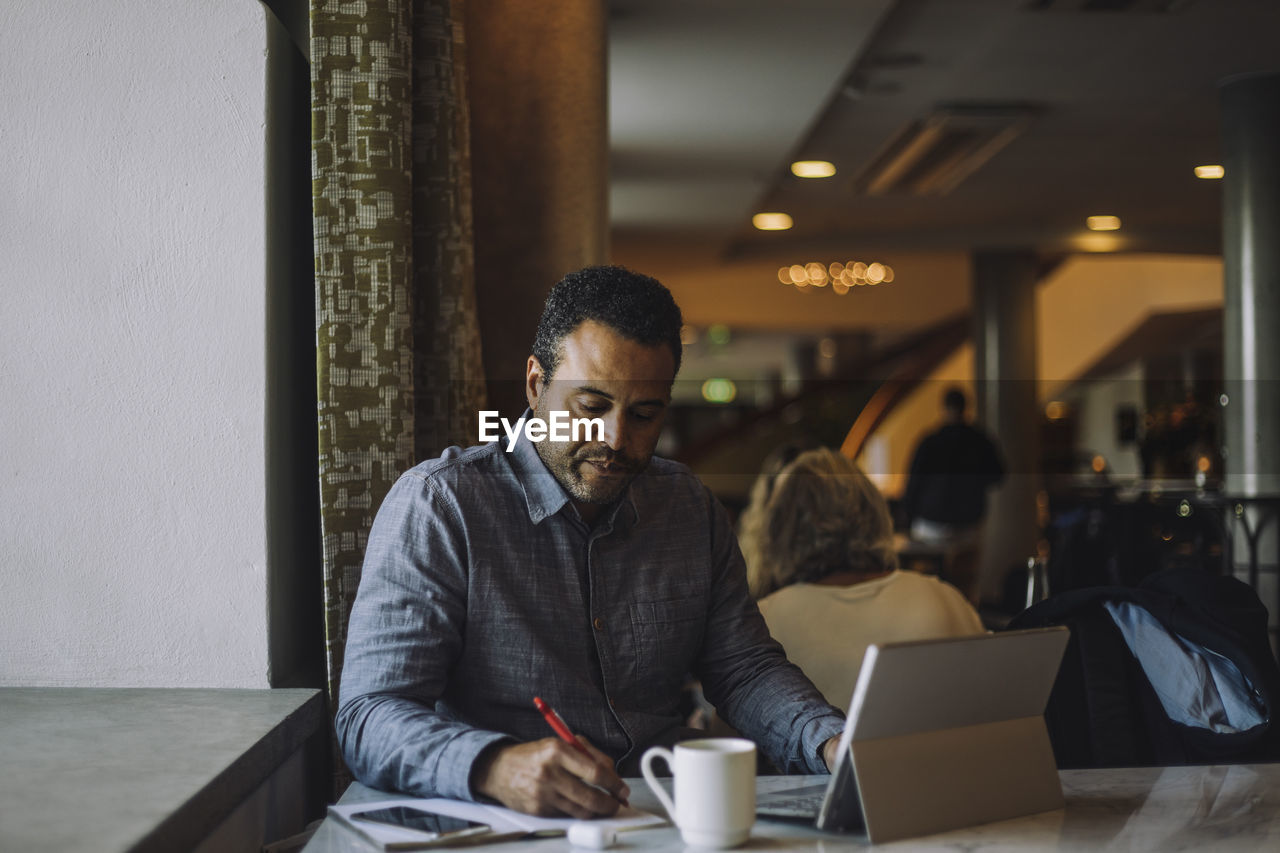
{"points": [[821, 561], [751, 521]]}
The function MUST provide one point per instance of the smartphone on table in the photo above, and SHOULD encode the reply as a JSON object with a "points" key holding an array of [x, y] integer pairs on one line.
{"points": [[438, 826]]}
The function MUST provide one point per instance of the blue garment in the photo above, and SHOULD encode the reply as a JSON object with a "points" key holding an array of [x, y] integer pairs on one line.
{"points": [[1196, 686], [482, 588], [1185, 677]]}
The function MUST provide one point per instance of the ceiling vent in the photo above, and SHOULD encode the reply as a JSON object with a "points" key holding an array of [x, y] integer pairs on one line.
{"points": [[933, 155]]}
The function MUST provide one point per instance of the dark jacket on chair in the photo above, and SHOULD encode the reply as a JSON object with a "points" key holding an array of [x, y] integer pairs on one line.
{"points": [[1178, 670]]}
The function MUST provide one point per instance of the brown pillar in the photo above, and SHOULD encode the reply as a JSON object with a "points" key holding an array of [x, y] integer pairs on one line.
{"points": [[1004, 372], [539, 147]]}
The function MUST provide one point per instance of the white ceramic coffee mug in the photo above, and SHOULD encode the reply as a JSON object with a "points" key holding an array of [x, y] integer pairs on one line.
{"points": [[715, 789]]}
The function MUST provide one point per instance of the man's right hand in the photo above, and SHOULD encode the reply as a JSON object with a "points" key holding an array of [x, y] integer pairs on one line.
{"points": [[549, 777]]}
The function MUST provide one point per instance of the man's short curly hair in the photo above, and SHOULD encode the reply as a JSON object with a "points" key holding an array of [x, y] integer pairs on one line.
{"points": [[635, 306]]}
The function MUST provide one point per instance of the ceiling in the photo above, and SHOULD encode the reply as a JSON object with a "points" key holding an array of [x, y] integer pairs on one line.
{"points": [[1113, 103]]}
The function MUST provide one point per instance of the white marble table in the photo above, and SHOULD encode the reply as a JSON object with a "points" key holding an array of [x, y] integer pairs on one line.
{"points": [[1222, 808]]}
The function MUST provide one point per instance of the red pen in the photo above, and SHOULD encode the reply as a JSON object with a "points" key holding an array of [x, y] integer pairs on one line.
{"points": [[553, 720]]}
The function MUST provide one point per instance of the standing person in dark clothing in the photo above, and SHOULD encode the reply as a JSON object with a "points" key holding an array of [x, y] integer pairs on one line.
{"points": [[946, 496]]}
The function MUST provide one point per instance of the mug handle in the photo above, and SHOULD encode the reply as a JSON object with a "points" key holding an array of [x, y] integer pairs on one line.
{"points": [[658, 791]]}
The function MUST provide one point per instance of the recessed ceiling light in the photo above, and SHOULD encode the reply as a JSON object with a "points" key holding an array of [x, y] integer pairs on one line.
{"points": [[1210, 173], [812, 169], [1103, 223], [771, 221]]}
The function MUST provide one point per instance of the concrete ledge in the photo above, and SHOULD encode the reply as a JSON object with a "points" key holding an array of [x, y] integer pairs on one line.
{"points": [[143, 769]]}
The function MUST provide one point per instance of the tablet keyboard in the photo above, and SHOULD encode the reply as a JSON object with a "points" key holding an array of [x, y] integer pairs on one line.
{"points": [[795, 802]]}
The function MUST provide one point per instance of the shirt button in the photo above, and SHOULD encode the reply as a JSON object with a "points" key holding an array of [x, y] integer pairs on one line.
{"points": [[613, 704], [598, 623]]}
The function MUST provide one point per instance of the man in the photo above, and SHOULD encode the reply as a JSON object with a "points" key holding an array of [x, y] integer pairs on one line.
{"points": [[584, 572], [946, 495]]}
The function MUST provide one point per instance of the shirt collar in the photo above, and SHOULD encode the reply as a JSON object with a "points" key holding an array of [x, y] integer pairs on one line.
{"points": [[542, 491]]}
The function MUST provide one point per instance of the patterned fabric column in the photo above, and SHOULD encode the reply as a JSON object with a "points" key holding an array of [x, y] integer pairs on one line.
{"points": [[362, 206], [449, 384], [398, 342]]}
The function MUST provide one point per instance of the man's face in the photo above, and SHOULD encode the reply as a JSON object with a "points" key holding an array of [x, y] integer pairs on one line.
{"points": [[623, 383]]}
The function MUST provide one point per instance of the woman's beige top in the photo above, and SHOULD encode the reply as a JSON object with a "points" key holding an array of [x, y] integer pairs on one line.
{"points": [[825, 630]]}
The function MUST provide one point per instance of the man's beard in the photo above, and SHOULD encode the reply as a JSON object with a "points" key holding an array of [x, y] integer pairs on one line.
{"points": [[567, 467], [567, 462]]}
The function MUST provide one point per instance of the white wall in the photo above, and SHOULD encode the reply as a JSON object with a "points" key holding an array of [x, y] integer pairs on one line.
{"points": [[132, 536], [1096, 402], [1092, 302]]}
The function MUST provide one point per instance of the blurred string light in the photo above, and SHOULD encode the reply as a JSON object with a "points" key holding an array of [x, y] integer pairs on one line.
{"points": [[841, 276], [1210, 173], [1103, 223], [718, 334], [719, 390]]}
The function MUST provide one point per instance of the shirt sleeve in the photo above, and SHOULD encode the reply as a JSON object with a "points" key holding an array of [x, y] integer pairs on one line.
{"points": [[746, 675], [404, 634]]}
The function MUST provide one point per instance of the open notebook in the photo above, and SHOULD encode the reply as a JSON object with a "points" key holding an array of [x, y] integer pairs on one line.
{"points": [[504, 822]]}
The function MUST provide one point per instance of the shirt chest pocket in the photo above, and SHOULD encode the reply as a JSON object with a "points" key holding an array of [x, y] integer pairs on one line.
{"points": [[667, 636]]}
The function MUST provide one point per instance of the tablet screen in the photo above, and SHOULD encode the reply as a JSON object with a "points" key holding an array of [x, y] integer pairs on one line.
{"points": [[423, 821]]}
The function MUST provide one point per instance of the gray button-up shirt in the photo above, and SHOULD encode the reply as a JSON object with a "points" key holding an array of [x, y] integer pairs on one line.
{"points": [[482, 588]]}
